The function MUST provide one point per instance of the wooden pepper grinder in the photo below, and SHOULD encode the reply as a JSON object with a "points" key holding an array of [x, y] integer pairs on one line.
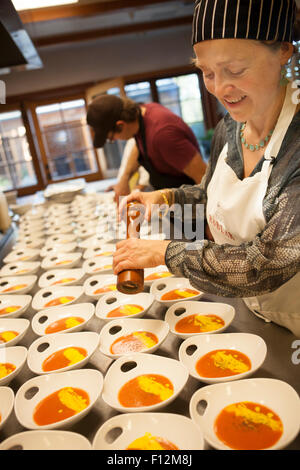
{"points": [[131, 281]]}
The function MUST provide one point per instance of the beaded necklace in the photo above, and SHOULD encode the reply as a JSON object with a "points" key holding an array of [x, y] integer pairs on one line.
{"points": [[255, 147]]}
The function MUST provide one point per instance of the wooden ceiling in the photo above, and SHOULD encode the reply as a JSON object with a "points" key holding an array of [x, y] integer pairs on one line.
{"points": [[92, 19]]}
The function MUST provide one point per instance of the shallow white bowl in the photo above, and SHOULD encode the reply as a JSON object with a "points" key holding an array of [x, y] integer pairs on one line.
{"points": [[94, 240], [93, 283], [60, 229], [192, 349], [25, 254], [15, 355], [29, 242], [61, 260], [140, 364], [53, 249], [47, 294], [120, 431], [54, 276], [89, 380], [162, 286], [60, 239], [86, 232], [46, 440], [44, 347], [159, 271], [280, 397], [20, 268], [7, 398], [44, 318], [10, 282], [26, 235], [112, 300], [185, 308], [19, 325], [100, 250], [118, 328], [22, 301], [99, 265]]}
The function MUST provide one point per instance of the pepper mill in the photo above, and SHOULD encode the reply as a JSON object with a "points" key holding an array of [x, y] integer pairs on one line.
{"points": [[131, 281]]}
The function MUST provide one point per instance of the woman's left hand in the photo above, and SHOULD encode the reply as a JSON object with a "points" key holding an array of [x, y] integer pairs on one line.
{"points": [[135, 253]]}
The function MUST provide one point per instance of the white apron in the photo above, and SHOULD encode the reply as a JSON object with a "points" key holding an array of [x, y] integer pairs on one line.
{"points": [[235, 215]]}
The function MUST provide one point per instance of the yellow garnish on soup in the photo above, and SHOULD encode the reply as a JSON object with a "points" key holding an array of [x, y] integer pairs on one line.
{"points": [[146, 340], [254, 416], [71, 322], [73, 355], [72, 400], [150, 385], [8, 335], [225, 360]]}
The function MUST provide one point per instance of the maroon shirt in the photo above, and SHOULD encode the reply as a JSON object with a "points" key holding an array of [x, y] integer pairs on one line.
{"points": [[171, 144]]}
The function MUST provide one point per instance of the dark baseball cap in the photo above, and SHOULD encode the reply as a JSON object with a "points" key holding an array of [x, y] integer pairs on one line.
{"points": [[102, 115]]}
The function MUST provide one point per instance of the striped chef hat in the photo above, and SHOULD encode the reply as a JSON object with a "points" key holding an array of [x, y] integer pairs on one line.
{"points": [[262, 20]]}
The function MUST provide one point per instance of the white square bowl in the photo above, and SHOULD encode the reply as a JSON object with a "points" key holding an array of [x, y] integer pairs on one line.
{"points": [[18, 325], [127, 368], [207, 402], [186, 308], [89, 380], [192, 349], [46, 440], [163, 286], [117, 329], [17, 284], [116, 299], [7, 399], [45, 318], [9, 304], [128, 427], [49, 294], [42, 348]]}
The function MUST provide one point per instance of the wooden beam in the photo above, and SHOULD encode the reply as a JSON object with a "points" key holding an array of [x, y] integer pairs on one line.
{"points": [[92, 9], [107, 32]]}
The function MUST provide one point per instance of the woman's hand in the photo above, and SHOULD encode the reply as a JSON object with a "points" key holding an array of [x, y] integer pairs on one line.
{"points": [[135, 253], [147, 199]]}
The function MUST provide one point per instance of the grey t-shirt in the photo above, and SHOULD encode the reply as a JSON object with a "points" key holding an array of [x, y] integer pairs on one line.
{"points": [[273, 256]]}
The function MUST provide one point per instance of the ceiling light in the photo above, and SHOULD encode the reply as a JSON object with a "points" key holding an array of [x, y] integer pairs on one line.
{"points": [[30, 4]]}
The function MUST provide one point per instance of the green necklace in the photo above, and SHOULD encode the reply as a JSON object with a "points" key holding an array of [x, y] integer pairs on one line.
{"points": [[252, 147]]}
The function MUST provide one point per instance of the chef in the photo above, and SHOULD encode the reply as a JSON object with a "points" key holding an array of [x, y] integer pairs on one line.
{"points": [[251, 189]]}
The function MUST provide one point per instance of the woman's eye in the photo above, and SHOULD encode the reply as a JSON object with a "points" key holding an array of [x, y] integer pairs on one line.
{"points": [[236, 74], [209, 76]]}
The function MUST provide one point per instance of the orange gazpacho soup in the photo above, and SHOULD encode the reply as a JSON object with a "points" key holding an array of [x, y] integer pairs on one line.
{"points": [[134, 342], [103, 268], [66, 261], [6, 369], [108, 288], [10, 309], [248, 426], [64, 358], [149, 442], [16, 287], [158, 275], [64, 280], [198, 323], [63, 324], [62, 404], [6, 336], [59, 301], [125, 310], [145, 390], [176, 294], [223, 363]]}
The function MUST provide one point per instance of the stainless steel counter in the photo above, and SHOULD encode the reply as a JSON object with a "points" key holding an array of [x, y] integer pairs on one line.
{"points": [[278, 364]]}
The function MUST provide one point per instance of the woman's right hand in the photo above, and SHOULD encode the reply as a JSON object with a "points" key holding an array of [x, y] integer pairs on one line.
{"points": [[147, 199]]}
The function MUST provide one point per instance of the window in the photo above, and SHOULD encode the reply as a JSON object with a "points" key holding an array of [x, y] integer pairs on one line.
{"points": [[16, 166], [182, 96], [67, 140], [140, 92]]}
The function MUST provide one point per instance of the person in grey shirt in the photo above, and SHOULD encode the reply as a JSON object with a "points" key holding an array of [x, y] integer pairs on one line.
{"points": [[251, 189]]}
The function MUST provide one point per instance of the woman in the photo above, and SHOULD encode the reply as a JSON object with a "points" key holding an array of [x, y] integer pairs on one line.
{"points": [[251, 189]]}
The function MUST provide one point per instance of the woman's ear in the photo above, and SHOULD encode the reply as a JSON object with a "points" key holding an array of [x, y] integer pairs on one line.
{"points": [[286, 51]]}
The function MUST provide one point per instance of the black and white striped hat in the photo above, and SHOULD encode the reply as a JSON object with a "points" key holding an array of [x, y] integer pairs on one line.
{"points": [[262, 20]]}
